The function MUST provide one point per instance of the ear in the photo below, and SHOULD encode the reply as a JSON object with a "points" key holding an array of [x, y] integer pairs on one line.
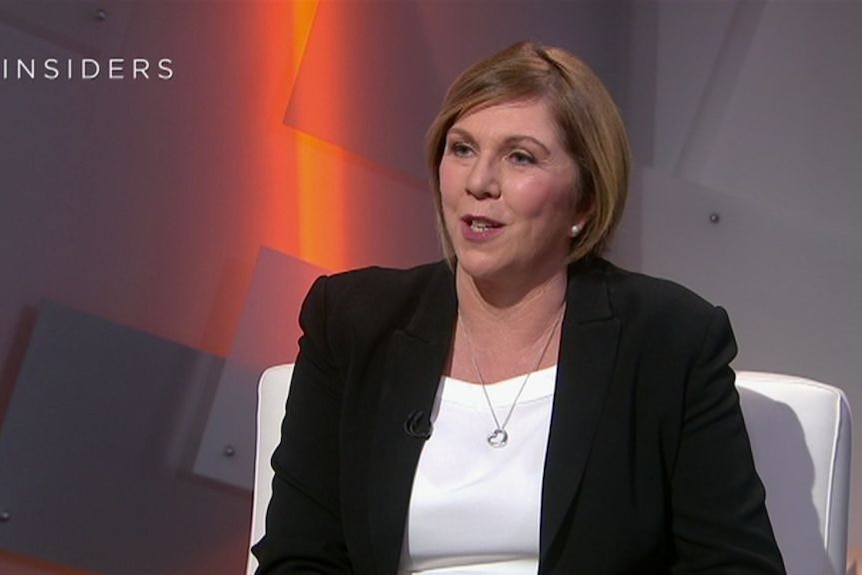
{"points": [[584, 211]]}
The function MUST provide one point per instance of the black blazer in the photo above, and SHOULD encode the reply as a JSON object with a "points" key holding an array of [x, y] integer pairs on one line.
{"points": [[648, 467]]}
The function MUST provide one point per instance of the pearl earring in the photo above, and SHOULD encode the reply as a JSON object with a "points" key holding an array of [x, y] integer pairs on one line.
{"points": [[576, 229]]}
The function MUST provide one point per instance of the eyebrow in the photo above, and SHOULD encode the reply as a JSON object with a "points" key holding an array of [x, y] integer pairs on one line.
{"points": [[514, 138]]}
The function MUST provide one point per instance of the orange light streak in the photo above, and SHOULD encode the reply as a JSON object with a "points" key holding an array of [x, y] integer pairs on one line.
{"points": [[321, 185], [284, 29], [304, 213], [319, 176]]}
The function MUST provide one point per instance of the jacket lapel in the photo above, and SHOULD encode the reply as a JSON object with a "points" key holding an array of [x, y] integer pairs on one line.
{"points": [[415, 363], [588, 350]]}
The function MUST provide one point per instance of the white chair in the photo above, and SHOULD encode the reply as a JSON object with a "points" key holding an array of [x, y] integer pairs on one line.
{"points": [[271, 399], [800, 435]]}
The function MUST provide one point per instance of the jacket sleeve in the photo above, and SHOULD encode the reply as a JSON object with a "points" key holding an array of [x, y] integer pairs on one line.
{"points": [[719, 517], [303, 524]]}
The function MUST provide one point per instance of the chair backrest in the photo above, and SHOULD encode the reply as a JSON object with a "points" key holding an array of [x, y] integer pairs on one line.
{"points": [[800, 436], [271, 399]]}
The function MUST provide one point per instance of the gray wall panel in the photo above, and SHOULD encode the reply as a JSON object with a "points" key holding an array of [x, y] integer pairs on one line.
{"points": [[96, 453]]}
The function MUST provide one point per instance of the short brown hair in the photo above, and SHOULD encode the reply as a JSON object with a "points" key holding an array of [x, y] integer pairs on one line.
{"points": [[586, 115]]}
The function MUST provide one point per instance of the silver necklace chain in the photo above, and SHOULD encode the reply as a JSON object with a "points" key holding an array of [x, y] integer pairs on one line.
{"points": [[499, 437]]}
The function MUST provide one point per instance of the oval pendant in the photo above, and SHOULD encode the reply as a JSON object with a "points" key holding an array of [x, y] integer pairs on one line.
{"points": [[499, 438]]}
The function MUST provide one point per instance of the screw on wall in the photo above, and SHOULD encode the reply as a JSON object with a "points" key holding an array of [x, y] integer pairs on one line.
{"points": [[229, 451], [5, 516], [101, 14], [714, 217]]}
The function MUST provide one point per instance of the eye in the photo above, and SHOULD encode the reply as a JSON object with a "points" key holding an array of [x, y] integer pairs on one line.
{"points": [[521, 158], [459, 149]]}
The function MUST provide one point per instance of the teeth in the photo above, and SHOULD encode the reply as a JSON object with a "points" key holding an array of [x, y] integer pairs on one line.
{"points": [[478, 226]]}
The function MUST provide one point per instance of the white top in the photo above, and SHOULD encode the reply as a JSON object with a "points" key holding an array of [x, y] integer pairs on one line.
{"points": [[475, 508]]}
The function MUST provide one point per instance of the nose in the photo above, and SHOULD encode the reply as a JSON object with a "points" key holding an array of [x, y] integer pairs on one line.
{"points": [[483, 180]]}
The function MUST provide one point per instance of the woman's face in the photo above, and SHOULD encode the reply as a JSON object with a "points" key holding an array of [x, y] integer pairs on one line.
{"points": [[507, 192]]}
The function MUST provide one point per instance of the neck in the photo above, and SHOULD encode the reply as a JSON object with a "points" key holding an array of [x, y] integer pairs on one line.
{"points": [[506, 332], [539, 298]]}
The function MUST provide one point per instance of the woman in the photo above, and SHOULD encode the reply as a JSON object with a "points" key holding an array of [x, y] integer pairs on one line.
{"points": [[525, 406]]}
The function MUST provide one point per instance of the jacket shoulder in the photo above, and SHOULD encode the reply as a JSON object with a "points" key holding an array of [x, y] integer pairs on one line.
{"points": [[384, 287], [633, 293], [660, 314], [364, 305]]}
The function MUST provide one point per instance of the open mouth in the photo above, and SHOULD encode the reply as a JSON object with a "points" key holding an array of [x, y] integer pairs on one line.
{"points": [[480, 224]]}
